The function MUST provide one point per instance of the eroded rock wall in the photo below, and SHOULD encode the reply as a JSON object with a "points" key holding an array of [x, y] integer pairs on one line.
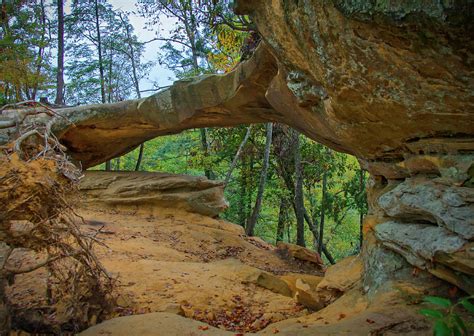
{"points": [[393, 84]]}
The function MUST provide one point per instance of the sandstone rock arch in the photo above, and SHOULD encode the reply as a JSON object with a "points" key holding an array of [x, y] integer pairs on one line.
{"points": [[390, 84]]}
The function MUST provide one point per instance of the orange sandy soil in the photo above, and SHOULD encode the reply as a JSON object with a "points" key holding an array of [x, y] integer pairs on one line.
{"points": [[179, 262], [186, 274]]}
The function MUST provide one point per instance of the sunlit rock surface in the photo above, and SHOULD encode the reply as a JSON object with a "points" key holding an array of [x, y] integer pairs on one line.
{"points": [[144, 192]]}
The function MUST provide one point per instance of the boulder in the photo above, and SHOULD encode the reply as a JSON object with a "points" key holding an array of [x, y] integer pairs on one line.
{"points": [[339, 278], [300, 253], [268, 281], [145, 191], [154, 324], [291, 279], [307, 296], [303, 288]]}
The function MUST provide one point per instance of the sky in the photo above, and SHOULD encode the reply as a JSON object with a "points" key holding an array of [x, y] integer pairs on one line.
{"points": [[158, 73]]}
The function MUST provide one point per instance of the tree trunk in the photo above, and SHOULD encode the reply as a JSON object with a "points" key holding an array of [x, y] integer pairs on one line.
{"points": [[39, 59], [190, 32], [60, 72], [205, 147], [99, 49], [140, 157], [109, 80], [290, 185], [249, 190], [243, 195], [361, 213], [237, 155], [299, 199], [323, 213], [108, 165], [282, 218], [314, 230], [136, 82], [261, 186]]}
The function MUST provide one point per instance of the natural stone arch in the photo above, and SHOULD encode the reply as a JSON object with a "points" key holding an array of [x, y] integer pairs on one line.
{"points": [[392, 85]]}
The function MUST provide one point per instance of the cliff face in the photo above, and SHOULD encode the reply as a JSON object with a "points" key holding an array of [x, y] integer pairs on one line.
{"points": [[393, 84]]}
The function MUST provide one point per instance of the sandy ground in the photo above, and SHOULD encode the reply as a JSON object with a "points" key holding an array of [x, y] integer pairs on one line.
{"points": [[184, 263], [186, 274]]}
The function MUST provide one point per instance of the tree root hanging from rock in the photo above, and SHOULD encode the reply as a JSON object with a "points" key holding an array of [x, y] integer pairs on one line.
{"points": [[36, 178]]}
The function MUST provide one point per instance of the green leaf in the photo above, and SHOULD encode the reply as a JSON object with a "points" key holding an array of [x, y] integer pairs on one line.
{"points": [[439, 301], [466, 304], [441, 329], [460, 323], [431, 313]]}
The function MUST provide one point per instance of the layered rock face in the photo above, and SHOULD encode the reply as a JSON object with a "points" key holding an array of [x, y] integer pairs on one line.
{"points": [[393, 84], [142, 191]]}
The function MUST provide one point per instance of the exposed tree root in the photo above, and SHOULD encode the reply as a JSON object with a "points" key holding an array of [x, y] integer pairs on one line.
{"points": [[35, 177]]}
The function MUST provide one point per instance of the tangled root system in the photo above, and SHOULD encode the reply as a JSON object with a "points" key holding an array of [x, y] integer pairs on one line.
{"points": [[36, 181]]}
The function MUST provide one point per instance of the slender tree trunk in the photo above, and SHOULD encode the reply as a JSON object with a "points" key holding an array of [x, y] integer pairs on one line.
{"points": [[290, 185], [322, 218], [237, 155], [314, 230], [60, 72], [243, 195], [282, 218], [140, 157], [361, 213], [299, 198], [99, 49], [190, 31], [109, 80], [313, 214], [108, 164], [136, 82], [288, 233], [39, 60], [205, 147], [249, 190], [261, 186]]}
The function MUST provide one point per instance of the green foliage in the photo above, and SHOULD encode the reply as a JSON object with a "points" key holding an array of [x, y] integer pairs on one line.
{"points": [[24, 58], [182, 154], [206, 37], [82, 68], [447, 321]]}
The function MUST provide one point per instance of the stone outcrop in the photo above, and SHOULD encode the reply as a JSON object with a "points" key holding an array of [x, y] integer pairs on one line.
{"points": [[391, 83], [266, 280], [300, 253], [144, 191]]}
